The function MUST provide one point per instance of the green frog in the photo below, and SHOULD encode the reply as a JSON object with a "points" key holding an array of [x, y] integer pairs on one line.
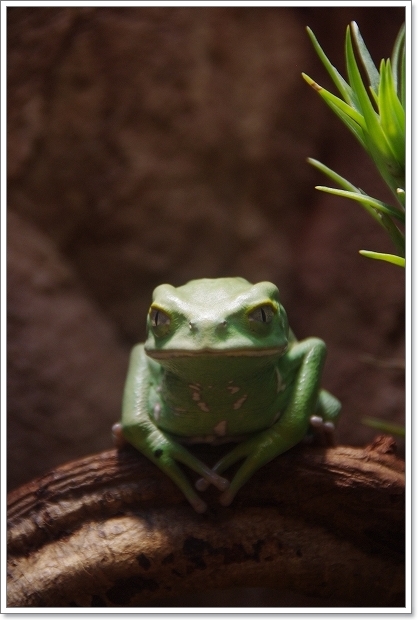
{"points": [[220, 365]]}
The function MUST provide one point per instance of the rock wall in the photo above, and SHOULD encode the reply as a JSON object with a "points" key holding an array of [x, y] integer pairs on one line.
{"points": [[150, 145]]}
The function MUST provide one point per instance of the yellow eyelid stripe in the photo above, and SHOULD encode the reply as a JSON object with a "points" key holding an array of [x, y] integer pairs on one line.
{"points": [[268, 303], [157, 308]]}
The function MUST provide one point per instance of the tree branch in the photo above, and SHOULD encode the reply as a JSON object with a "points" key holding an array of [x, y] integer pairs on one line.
{"points": [[112, 530]]}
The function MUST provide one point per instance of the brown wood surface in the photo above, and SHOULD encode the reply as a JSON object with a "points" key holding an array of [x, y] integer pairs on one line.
{"points": [[112, 530]]}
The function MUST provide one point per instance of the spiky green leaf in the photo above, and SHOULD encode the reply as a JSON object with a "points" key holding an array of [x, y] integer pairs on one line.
{"points": [[338, 80], [386, 427], [346, 109], [334, 176], [354, 127], [402, 78], [392, 114], [389, 258], [377, 141], [397, 61], [397, 236], [364, 199], [366, 59]]}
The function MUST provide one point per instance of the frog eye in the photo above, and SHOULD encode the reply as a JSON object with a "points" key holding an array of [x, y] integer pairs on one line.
{"points": [[160, 320], [262, 314]]}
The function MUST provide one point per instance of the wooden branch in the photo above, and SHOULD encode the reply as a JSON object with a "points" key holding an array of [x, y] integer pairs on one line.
{"points": [[112, 530]]}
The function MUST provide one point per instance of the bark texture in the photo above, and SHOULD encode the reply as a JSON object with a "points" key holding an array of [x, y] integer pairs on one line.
{"points": [[111, 530]]}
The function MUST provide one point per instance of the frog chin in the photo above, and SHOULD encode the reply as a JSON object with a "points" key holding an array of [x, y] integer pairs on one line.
{"points": [[161, 354]]}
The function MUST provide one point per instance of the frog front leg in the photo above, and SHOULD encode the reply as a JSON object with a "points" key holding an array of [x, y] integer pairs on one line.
{"points": [[301, 368], [141, 432]]}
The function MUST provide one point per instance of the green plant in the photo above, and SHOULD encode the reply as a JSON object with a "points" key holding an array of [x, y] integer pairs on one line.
{"points": [[384, 426], [376, 117]]}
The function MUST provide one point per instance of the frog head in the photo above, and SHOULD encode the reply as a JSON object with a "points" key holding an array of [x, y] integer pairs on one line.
{"points": [[216, 317]]}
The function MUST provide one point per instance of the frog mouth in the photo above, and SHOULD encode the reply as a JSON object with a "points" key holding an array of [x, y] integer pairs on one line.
{"points": [[207, 352]]}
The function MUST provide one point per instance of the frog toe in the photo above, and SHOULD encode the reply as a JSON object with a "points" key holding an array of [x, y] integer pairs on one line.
{"points": [[227, 497], [221, 483], [323, 431], [316, 421], [218, 481], [202, 484], [199, 505], [117, 435]]}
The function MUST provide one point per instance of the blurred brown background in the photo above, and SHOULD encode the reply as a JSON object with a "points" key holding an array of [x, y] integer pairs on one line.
{"points": [[151, 145]]}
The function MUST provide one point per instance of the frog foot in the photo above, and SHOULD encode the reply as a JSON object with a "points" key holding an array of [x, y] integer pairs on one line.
{"points": [[323, 431], [225, 498]]}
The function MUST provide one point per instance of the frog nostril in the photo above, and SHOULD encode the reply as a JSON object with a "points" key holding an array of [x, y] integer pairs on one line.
{"points": [[207, 327]]}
